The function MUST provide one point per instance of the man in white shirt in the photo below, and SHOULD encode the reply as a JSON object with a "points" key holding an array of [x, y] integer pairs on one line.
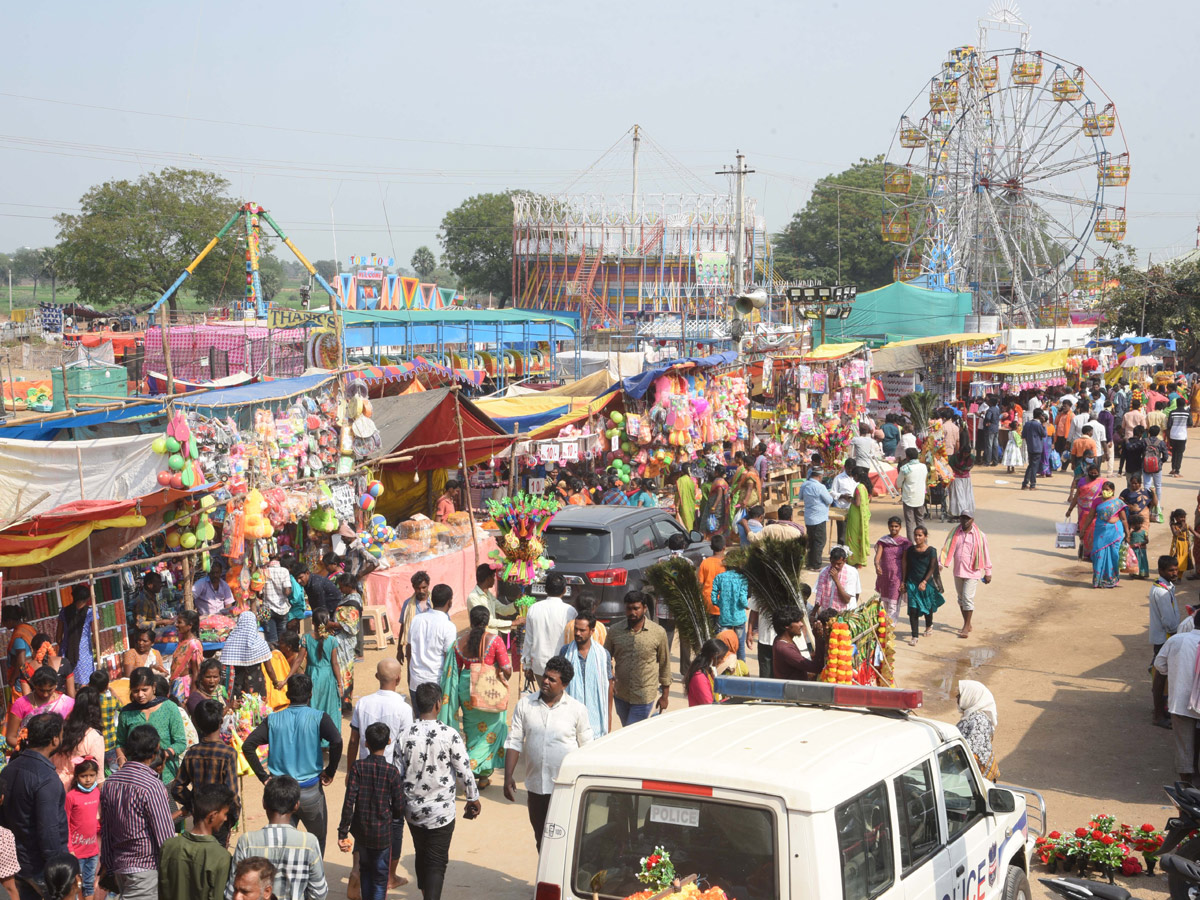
{"points": [[843, 491], [863, 448], [545, 729], [1177, 660], [431, 636], [545, 623], [912, 481], [386, 705], [1082, 417], [481, 595]]}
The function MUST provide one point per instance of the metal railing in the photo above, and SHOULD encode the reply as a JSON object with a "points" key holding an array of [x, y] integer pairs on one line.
{"points": [[1039, 829]]}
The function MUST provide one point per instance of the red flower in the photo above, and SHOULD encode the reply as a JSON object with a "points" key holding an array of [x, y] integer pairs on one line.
{"points": [[1081, 832], [1097, 834], [1106, 839], [653, 860], [1147, 827], [1054, 835], [1130, 866]]}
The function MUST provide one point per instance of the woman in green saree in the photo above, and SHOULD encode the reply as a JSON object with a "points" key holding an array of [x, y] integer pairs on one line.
{"points": [[481, 652], [858, 519]]}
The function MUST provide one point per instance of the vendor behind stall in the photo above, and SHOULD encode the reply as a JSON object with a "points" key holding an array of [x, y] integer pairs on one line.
{"points": [[211, 595]]}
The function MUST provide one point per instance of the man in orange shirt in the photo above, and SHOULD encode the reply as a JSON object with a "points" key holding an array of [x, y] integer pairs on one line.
{"points": [[1084, 447], [709, 569], [1062, 430]]}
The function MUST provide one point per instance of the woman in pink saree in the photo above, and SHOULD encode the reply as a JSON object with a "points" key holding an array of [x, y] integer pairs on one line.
{"points": [[1084, 497]]}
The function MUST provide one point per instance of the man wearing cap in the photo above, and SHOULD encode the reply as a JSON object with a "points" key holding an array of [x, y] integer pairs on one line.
{"points": [[817, 500]]}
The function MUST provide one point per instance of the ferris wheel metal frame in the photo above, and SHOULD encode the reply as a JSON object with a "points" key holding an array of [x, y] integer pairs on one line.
{"points": [[1006, 177]]}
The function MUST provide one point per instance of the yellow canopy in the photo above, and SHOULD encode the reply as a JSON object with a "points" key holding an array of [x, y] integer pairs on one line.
{"points": [[962, 338], [578, 414], [528, 405], [1027, 364], [826, 352], [587, 386]]}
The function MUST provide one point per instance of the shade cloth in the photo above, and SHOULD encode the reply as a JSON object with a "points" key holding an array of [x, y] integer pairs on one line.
{"points": [[636, 386], [1027, 364], [827, 352], [103, 469], [48, 429], [415, 420], [902, 311], [389, 588], [529, 411]]}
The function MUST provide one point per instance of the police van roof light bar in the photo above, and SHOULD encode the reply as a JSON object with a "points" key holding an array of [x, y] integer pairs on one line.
{"points": [[819, 693]]}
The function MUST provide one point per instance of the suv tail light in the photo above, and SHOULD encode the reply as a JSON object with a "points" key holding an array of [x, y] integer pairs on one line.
{"points": [[547, 891], [612, 577]]}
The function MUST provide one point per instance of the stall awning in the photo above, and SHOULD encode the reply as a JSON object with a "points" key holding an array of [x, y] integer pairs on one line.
{"points": [[249, 394], [422, 327], [636, 386], [48, 429], [965, 337], [402, 370], [529, 411], [1027, 364], [414, 420], [827, 352]]}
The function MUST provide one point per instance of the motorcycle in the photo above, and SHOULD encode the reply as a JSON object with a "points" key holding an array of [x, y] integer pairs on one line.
{"points": [[1179, 856]]}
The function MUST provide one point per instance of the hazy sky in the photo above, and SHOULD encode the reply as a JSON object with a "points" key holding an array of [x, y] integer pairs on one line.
{"points": [[374, 113]]}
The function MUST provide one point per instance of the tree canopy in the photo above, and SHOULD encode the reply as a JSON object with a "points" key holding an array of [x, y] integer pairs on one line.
{"points": [[423, 262], [132, 239], [1162, 301], [808, 247], [476, 238]]}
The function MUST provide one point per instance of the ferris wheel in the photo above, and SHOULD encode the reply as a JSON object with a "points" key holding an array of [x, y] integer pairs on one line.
{"points": [[1006, 177]]}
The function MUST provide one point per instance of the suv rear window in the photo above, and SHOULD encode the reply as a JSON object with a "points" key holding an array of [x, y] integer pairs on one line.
{"points": [[578, 545], [728, 844]]}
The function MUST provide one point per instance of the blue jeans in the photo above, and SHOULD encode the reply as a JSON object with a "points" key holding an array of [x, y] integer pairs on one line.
{"points": [[274, 626], [740, 631], [373, 868], [991, 450], [87, 868], [629, 713]]}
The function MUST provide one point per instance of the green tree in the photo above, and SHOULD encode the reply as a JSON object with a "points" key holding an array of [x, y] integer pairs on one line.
{"points": [[132, 239], [808, 247], [28, 266], [1161, 301], [52, 269], [476, 238], [270, 274], [423, 262], [327, 269]]}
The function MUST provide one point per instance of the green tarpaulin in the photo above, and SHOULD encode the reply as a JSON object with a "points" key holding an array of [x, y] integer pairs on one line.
{"points": [[901, 311]]}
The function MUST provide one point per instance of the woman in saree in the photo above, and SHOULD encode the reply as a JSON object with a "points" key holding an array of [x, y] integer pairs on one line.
{"points": [[858, 520], [714, 515], [348, 619], [889, 566], [189, 653], [484, 730], [1110, 533], [1085, 494], [686, 496]]}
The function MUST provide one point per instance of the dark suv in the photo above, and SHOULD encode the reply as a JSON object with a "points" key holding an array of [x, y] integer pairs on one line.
{"points": [[603, 551]]}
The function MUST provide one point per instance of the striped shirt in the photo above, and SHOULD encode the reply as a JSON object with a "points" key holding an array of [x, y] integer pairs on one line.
{"points": [[137, 819], [299, 872]]}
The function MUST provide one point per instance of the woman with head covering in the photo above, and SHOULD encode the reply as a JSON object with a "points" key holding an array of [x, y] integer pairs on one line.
{"points": [[978, 724], [729, 638], [244, 653]]}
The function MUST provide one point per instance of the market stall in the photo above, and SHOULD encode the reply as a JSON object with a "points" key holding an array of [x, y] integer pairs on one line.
{"points": [[927, 364]]}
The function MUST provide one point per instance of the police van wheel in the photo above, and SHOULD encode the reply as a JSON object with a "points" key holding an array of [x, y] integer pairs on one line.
{"points": [[1016, 884]]}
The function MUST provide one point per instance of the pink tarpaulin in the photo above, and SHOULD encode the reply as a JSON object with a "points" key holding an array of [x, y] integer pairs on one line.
{"points": [[205, 352], [391, 587]]}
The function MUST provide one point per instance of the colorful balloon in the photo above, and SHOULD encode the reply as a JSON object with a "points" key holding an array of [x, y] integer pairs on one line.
{"points": [[187, 540], [175, 462], [159, 445], [172, 445]]}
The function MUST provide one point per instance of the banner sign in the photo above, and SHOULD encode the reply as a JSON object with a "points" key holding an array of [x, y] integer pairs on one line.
{"points": [[282, 317], [712, 267]]}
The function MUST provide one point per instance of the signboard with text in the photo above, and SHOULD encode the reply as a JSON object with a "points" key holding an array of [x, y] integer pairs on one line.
{"points": [[283, 317]]}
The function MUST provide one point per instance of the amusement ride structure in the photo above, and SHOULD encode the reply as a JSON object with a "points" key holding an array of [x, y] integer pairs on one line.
{"points": [[1006, 177]]}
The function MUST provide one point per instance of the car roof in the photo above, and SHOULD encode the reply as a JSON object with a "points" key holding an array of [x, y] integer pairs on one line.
{"points": [[600, 516], [812, 757]]}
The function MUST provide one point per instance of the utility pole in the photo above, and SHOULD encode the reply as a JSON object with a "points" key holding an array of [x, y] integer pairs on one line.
{"points": [[1149, 286], [739, 211], [637, 140]]}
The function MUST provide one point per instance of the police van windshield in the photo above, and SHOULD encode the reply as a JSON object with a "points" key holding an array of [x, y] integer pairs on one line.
{"points": [[728, 845]]}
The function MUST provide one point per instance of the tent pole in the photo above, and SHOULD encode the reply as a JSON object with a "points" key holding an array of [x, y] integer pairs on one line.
{"points": [[91, 578], [462, 452]]}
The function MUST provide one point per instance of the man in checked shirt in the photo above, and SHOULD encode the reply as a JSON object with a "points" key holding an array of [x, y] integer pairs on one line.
{"points": [[374, 798], [299, 871]]}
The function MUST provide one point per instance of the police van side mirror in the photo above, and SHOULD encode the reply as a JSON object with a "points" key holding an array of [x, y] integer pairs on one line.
{"points": [[1001, 801]]}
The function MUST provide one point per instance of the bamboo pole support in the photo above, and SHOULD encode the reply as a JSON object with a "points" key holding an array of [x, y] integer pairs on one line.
{"points": [[462, 453]]}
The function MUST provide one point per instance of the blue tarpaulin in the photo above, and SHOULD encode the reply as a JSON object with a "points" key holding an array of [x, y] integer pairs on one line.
{"points": [[47, 430], [636, 386], [1144, 345], [247, 394]]}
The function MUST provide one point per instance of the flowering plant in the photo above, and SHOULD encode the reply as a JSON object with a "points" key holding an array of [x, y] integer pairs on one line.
{"points": [[1146, 840], [829, 440], [657, 869]]}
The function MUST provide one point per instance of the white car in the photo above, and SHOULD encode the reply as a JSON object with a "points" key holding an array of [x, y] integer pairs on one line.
{"points": [[822, 791]]}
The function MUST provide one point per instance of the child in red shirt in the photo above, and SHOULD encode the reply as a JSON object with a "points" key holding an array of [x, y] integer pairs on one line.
{"points": [[83, 821]]}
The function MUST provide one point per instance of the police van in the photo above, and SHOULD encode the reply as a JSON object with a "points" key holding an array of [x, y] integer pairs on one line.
{"points": [[793, 790]]}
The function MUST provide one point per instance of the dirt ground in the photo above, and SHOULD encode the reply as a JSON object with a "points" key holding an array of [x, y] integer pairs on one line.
{"points": [[1067, 664]]}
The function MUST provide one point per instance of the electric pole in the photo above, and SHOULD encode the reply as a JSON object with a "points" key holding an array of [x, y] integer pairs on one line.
{"points": [[637, 140], [739, 211]]}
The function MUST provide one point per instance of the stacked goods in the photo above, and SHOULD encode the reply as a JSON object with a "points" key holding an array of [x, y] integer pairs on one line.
{"points": [[862, 647], [522, 520]]}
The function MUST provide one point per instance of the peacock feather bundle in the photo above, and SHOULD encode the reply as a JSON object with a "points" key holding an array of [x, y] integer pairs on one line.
{"points": [[774, 570], [674, 582]]}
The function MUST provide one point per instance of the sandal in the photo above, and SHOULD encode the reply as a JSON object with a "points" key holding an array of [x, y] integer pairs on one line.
{"points": [[912, 642]]}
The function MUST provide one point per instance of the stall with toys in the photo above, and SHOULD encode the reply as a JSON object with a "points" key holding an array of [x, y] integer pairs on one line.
{"points": [[813, 394]]}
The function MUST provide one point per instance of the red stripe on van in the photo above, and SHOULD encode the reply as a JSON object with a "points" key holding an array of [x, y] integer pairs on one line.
{"points": [[672, 787]]}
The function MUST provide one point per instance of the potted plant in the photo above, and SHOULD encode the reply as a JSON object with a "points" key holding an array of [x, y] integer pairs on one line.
{"points": [[1148, 841]]}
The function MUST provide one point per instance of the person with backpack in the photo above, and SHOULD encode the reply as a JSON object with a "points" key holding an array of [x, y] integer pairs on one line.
{"points": [[1155, 455]]}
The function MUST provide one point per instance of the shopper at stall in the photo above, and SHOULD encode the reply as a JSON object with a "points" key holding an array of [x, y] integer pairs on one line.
{"points": [[187, 657], [75, 633], [912, 478], [922, 579], [34, 807], [434, 759], [135, 817], [483, 594], [545, 728], [858, 519], [614, 495], [479, 684], [816, 499], [294, 737], [146, 707], [966, 555], [978, 724], [207, 686], [321, 592], [244, 652], [43, 697], [641, 662], [277, 596], [210, 593]]}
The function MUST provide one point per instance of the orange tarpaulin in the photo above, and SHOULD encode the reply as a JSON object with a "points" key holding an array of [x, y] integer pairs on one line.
{"points": [[22, 388], [122, 341]]}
